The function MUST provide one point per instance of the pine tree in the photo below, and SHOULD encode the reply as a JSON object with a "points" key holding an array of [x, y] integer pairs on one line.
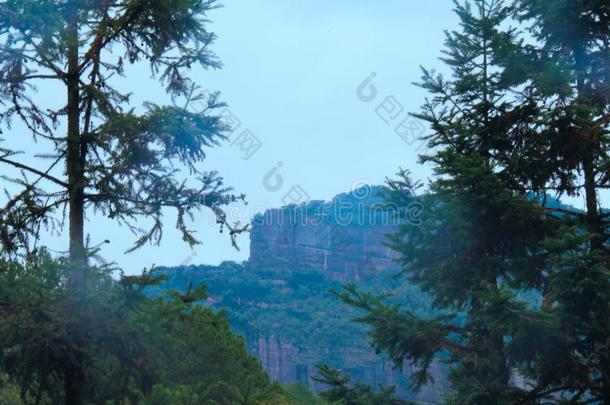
{"points": [[522, 120], [342, 391], [115, 162], [481, 244], [563, 70]]}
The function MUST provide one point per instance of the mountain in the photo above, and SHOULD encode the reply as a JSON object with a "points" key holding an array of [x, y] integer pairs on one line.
{"points": [[343, 238], [281, 300]]}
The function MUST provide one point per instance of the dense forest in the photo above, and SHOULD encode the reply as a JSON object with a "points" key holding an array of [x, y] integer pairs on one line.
{"points": [[499, 291]]}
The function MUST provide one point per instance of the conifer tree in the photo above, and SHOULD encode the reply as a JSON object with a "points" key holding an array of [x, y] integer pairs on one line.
{"points": [[521, 121], [101, 155], [563, 71], [342, 391], [481, 241]]}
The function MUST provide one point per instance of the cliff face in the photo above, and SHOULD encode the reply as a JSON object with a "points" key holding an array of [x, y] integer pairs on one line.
{"points": [[345, 238], [283, 362]]}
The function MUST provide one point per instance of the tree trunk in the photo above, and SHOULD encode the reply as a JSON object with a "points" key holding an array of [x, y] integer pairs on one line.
{"points": [[593, 218], [74, 375], [588, 161], [74, 163], [593, 214], [73, 384]]}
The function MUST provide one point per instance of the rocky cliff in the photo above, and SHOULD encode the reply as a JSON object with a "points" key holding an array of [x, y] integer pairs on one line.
{"points": [[344, 238], [283, 362]]}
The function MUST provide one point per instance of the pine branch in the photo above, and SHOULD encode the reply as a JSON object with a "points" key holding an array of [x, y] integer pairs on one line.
{"points": [[35, 171], [100, 42]]}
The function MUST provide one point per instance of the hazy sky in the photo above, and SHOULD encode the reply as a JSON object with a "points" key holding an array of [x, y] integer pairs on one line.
{"points": [[291, 73]]}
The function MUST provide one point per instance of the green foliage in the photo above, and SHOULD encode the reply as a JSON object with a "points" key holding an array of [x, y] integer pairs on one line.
{"points": [[343, 393], [566, 77], [126, 165], [9, 392], [135, 349], [129, 166], [518, 120], [479, 243], [300, 394], [162, 395], [299, 308]]}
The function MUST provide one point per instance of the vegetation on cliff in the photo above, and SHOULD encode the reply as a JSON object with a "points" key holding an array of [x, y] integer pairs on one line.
{"points": [[299, 309]]}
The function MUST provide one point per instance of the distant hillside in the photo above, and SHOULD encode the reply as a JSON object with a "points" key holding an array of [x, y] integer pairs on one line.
{"points": [[281, 300], [291, 322]]}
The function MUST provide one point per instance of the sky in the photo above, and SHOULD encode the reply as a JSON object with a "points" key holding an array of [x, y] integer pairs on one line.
{"points": [[291, 75], [317, 90]]}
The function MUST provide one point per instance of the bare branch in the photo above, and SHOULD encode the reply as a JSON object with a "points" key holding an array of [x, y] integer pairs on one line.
{"points": [[35, 171]]}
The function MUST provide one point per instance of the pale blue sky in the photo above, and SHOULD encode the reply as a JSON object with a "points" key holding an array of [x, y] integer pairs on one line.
{"points": [[291, 70]]}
